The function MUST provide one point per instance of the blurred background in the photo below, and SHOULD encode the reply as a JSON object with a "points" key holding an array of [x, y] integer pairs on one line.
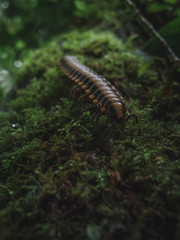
{"points": [[28, 24]]}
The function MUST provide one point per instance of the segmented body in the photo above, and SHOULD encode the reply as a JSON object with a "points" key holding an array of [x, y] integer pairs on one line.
{"points": [[101, 92]]}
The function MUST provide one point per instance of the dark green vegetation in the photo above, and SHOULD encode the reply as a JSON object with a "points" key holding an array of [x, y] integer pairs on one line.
{"points": [[27, 25], [60, 177]]}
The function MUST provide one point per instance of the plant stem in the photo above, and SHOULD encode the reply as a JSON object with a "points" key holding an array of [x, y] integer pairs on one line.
{"points": [[151, 28]]}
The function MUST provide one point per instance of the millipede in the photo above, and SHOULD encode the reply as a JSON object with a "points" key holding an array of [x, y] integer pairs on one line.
{"points": [[97, 89]]}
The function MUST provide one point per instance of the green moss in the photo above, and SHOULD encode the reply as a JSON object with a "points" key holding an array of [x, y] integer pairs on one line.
{"points": [[61, 177]]}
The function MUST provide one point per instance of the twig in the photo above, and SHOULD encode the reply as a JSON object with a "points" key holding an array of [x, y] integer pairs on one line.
{"points": [[151, 28]]}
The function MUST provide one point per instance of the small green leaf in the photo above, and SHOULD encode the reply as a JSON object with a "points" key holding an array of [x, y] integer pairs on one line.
{"points": [[80, 5], [170, 1], [144, 67], [158, 7]]}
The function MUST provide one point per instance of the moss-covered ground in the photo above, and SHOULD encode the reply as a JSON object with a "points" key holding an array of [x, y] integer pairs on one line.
{"points": [[61, 177]]}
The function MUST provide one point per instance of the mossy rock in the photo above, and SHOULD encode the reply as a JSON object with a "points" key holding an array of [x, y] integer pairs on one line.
{"points": [[60, 177]]}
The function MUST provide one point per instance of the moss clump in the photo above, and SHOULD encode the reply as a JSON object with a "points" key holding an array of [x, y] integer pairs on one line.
{"points": [[60, 177]]}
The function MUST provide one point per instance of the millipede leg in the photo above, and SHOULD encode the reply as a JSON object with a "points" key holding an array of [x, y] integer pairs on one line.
{"points": [[132, 116], [108, 128], [96, 116], [81, 98], [75, 92]]}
